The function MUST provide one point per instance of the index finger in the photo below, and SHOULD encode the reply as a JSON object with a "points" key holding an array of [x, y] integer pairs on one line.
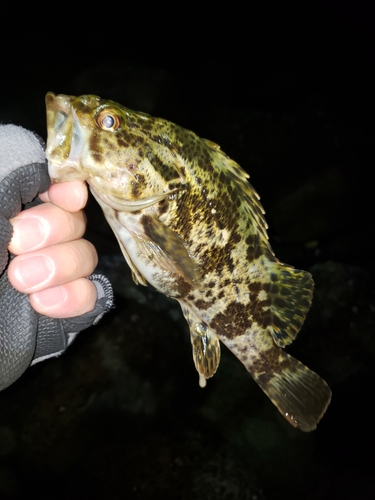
{"points": [[71, 196]]}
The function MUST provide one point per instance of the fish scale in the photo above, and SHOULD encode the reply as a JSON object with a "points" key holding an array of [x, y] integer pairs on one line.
{"points": [[189, 223]]}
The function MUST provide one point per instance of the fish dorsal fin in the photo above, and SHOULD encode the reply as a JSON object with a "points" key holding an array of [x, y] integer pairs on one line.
{"points": [[240, 180], [287, 298], [279, 299], [291, 293]]}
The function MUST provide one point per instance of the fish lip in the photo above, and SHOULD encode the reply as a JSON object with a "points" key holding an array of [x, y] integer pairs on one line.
{"points": [[56, 104], [57, 135], [113, 198], [59, 101], [65, 172], [65, 134]]}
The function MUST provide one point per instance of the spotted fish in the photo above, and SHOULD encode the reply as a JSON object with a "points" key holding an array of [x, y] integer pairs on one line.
{"points": [[189, 223]]}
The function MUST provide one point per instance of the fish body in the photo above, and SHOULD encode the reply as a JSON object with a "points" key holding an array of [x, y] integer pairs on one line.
{"points": [[190, 224]]}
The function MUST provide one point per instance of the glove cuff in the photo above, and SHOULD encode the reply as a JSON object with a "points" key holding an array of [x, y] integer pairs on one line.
{"points": [[55, 335]]}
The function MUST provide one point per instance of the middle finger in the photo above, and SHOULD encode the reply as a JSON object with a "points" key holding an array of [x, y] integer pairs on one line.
{"points": [[45, 225], [55, 265]]}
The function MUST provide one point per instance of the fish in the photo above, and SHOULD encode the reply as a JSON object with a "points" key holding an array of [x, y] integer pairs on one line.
{"points": [[190, 224]]}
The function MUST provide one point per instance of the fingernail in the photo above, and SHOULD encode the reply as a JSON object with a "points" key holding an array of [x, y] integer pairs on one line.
{"points": [[34, 271], [51, 297], [29, 233]]}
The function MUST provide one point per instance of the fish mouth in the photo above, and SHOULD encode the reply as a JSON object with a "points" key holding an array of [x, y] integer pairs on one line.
{"points": [[66, 139]]}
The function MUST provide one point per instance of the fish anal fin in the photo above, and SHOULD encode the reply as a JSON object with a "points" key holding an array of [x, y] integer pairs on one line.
{"points": [[205, 346], [206, 350]]}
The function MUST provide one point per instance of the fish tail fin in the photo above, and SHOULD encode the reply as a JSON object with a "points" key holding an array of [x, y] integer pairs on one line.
{"points": [[299, 394]]}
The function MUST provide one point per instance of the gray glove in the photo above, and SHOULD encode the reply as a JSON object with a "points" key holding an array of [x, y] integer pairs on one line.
{"points": [[27, 337]]}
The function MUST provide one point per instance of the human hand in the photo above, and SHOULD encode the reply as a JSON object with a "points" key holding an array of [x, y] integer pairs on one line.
{"points": [[51, 231], [52, 260]]}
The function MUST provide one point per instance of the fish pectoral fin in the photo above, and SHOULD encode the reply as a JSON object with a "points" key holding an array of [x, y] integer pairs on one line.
{"points": [[290, 297], [300, 395], [166, 249], [205, 344]]}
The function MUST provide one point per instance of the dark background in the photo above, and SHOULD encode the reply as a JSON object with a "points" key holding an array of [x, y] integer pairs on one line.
{"points": [[287, 92]]}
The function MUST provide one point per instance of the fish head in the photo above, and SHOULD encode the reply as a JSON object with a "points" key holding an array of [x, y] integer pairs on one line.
{"points": [[123, 155]]}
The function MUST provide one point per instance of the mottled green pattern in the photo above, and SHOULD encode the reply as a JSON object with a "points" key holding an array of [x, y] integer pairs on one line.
{"points": [[189, 223]]}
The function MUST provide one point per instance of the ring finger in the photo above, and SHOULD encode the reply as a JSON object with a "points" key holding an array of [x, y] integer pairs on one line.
{"points": [[66, 301]]}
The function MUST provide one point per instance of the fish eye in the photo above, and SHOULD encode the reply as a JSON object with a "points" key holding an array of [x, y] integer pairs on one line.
{"points": [[108, 121]]}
